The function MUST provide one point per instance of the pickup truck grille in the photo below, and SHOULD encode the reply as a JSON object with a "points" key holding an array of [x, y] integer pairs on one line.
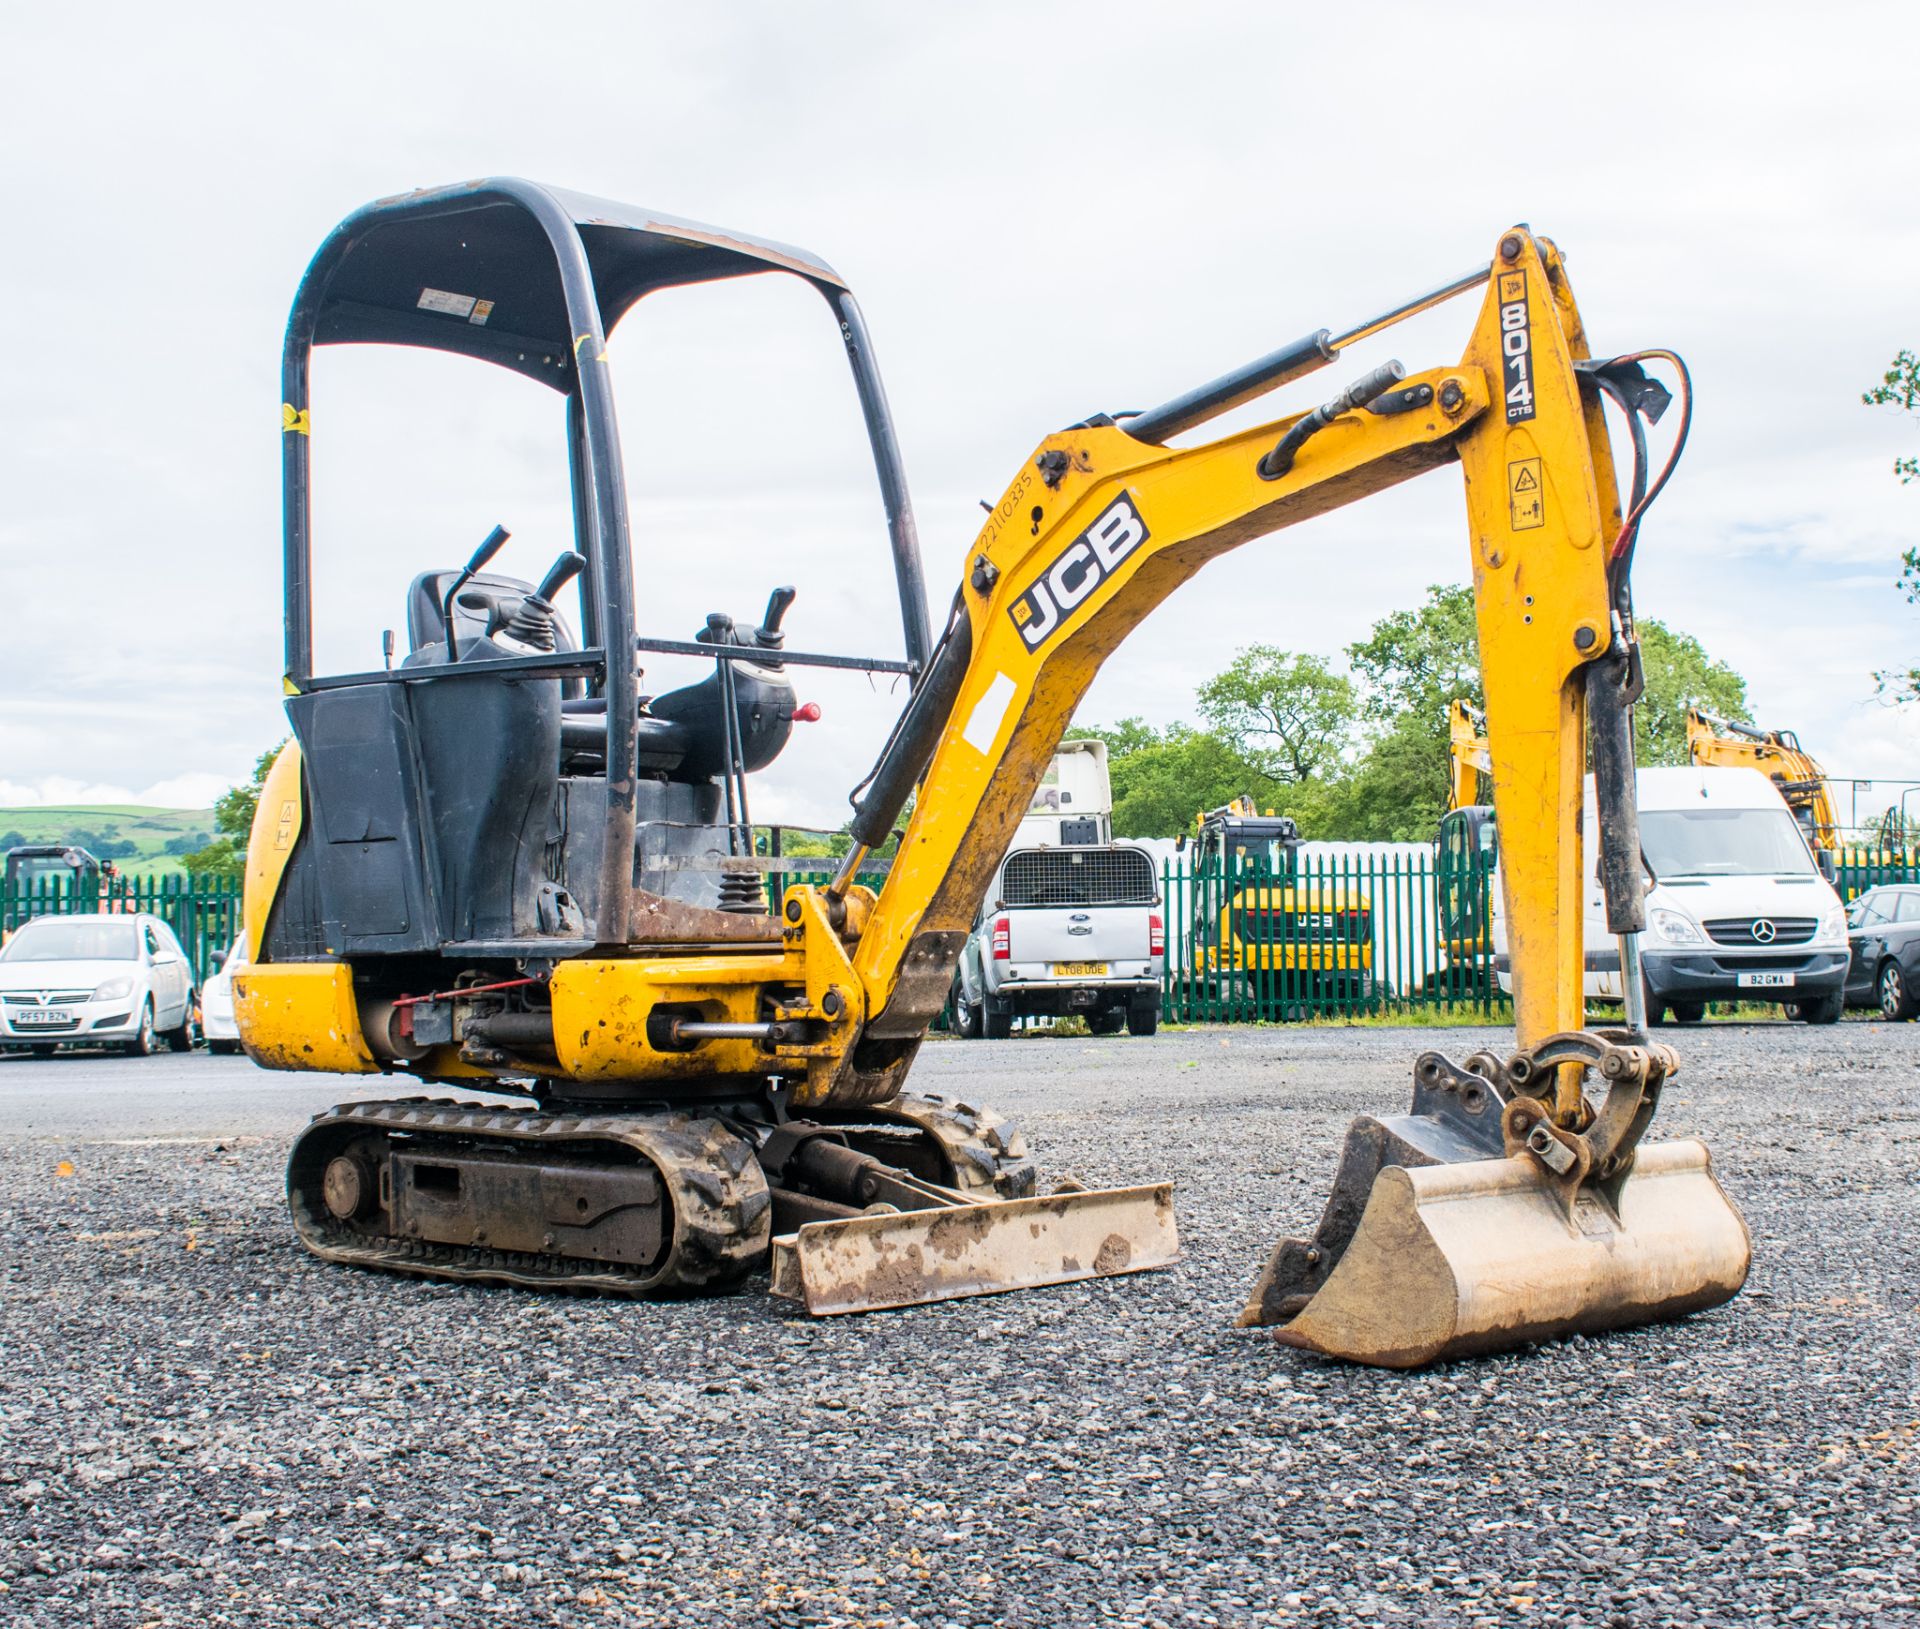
{"points": [[1078, 876], [1749, 930]]}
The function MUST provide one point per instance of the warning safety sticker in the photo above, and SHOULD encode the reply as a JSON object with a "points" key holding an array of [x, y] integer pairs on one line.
{"points": [[1523, 494]]}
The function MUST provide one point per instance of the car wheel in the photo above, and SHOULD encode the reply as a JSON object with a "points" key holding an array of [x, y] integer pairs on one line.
{"points": [[1144, 1019], [141, 1046], [1896, 1006], [996, 1020], [1826, 1009], [185, 1038], [1689, 1012]]}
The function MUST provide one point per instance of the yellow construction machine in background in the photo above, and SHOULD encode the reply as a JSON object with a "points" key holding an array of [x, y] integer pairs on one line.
{"points": [[497, 865], [1725, 743]]}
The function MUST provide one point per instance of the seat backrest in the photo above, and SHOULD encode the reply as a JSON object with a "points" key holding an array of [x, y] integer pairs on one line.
{"points": [[485, 599]]}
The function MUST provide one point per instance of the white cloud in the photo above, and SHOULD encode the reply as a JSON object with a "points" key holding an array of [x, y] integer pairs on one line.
{"points": [[61, 791], [1036, 232]]}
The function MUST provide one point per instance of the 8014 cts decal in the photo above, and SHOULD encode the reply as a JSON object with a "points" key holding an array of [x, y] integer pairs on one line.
{"points": [[1078, 570], [1516, 344]]}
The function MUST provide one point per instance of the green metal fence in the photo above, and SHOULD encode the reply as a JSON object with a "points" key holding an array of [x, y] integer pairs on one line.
{"points": [[1858, 869], [204, 912], [1335, 934]]}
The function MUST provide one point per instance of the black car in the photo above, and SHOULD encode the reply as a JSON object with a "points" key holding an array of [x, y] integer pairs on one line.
{"points": [[1883, 935]]}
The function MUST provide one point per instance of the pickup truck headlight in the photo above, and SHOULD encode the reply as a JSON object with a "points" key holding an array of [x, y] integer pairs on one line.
{"points": [[1675, 927], [114, 990]]}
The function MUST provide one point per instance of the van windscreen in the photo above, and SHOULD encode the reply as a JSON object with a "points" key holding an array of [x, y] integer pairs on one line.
{"points": [[1723, 843]]}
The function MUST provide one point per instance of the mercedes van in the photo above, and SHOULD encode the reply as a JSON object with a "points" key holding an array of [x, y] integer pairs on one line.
{"points": [[1738, 911]]}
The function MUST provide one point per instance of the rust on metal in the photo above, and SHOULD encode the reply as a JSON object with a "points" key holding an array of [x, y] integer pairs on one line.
{"points": [[911, 1257]]}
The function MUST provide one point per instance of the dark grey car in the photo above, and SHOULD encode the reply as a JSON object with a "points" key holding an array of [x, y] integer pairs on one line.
{"points": [[1883, 938]]}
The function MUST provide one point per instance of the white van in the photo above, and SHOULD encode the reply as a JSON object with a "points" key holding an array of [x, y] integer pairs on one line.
{"points": [[1739, 910]]}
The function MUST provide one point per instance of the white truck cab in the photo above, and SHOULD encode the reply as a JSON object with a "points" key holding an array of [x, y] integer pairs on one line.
{"points": [[1739, 910], [1072, 922]]}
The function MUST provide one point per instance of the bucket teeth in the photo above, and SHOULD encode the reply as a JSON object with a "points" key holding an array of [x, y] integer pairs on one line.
{"points": [[1435, 1245]]}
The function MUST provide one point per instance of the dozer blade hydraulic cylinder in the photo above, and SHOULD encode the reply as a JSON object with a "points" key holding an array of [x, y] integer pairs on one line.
{"points": [[905, 1258]]}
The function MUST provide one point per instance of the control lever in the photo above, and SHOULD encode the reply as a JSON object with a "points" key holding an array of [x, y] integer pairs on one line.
{"points": [[768, 635], [496, 541], [532, 622]]}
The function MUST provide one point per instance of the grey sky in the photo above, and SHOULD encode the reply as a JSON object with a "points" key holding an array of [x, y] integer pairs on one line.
{"points": [[1044, 212]]}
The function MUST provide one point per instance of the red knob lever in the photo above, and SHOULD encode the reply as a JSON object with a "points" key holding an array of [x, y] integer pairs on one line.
{"points": [[808, 712]]}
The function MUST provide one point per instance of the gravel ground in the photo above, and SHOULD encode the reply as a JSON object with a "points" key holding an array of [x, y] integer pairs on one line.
{"points": [[198, 1424]]}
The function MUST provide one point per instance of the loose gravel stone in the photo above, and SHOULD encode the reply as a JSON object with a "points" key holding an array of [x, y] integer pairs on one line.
{"points": [[201, 1425]]}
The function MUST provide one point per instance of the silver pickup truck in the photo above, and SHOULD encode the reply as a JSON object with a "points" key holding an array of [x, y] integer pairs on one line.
{"points": [[1066, 929]]}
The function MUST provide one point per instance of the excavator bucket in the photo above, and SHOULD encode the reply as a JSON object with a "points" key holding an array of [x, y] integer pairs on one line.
{"points": [[1437, 1244], [904, 1258]]}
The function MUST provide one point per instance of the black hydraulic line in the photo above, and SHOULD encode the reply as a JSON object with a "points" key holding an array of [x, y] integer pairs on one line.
{"points": [[909, 749], [1363, 390], [1612, 682]]}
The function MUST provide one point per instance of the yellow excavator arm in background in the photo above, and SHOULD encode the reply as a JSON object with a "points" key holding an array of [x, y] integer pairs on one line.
{"points": [[1723, 743], [1468, 760]]}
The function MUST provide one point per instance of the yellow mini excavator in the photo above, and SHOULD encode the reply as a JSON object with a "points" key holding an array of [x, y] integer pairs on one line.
{"points": [[498, 865]]}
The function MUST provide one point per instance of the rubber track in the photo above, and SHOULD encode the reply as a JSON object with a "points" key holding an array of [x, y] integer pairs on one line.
{"points": [[721, 1211], [986, 1151]]}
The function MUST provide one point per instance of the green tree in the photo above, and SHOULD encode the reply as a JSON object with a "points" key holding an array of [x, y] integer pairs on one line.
{"points": [[1290, 717], [1417, 662], [1163, 778], [226, 856], [1679, 674], [1900, 387]]}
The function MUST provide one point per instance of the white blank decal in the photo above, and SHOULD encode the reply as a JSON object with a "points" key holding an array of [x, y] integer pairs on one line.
{"points": [[451, 305], [983, 723]]}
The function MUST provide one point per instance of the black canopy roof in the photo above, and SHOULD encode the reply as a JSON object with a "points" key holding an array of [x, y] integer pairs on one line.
{"points": [[477, 269]]}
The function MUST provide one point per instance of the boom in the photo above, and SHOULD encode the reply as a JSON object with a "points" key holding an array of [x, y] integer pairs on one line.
{"points": [[1100, 526]]}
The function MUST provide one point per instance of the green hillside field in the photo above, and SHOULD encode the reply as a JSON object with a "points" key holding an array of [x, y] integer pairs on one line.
{"points": [[151, 831]]}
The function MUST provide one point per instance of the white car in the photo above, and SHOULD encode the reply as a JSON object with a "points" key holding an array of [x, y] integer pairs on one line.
{"points": [[217, 1022], [110, 979]]}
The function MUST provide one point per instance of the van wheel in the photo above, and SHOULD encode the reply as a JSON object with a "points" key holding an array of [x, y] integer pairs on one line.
{"points": [[1689, 1012], [1826, 1009], [1896, 1006], [996, 1019], [1656, 1008]]}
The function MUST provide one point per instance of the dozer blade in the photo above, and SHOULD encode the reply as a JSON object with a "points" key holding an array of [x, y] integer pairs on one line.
{"points": [[905, 1258], [1431, 1249]]}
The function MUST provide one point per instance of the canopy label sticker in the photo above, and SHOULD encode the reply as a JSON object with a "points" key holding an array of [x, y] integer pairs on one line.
{"points": [[450, 305]]}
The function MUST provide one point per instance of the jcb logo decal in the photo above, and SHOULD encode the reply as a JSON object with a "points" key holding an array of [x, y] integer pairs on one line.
{"points": [[1516, 346], [1077, 571]]}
